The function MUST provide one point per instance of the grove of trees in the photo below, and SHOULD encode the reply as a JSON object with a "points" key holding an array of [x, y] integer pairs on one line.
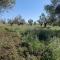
{"points": [[52, 10]]}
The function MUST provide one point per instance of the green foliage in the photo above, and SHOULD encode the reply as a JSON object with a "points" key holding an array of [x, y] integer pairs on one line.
{"points": [[55, 47], [17, 20], [47, 55], [30, 21], [6, 4], [50, 9], [40, 34], [30, 42], [35, 23]]}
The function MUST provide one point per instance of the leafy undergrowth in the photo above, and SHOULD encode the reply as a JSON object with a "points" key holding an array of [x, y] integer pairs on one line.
{"points": [[29, 43], [13, 48], [8, 43], [55, 47]]}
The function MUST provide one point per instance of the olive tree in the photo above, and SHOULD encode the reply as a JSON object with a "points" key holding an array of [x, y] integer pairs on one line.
{"points": [[53, 10], [30, 21], [19, 20]]}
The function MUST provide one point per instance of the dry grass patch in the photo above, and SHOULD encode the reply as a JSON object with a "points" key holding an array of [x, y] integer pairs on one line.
{"points": [[8, 43]]}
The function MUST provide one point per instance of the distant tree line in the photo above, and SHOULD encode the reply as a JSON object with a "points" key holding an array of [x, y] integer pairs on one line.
{"points": [[52, 17], [19, 21]]}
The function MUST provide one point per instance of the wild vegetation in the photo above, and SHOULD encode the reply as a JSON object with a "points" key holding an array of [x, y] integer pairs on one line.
{"points": [[29, 43]]}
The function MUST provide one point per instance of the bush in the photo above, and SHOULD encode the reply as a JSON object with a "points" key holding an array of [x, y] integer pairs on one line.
{"points": [[55, 47], [39, 34], [47, 55], [8, 45]]}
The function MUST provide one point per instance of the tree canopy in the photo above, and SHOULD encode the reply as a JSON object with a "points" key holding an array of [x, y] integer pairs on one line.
{"points": [[53, 9], [6, 4]]}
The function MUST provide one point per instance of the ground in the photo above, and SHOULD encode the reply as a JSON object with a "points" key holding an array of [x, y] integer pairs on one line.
{"points": [[27, 42]]}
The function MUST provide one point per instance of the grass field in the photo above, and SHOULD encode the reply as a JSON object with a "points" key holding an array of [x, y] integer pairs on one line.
{"points": [[27, 42]]}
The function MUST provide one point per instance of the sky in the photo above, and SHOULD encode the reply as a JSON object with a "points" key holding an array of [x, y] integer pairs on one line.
{"points": [[27, 9]]}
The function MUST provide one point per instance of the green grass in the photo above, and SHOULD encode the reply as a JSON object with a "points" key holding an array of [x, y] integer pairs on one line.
{"points": [[25, 41], [55, 47]]}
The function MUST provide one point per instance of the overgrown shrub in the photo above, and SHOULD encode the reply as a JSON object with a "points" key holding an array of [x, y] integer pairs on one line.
{"points": [[55, 47], [47, 55], [8, 43], [38, 42]]}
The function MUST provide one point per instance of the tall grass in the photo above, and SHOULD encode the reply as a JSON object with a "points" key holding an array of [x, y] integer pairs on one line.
{"points": [[27, 42]]}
